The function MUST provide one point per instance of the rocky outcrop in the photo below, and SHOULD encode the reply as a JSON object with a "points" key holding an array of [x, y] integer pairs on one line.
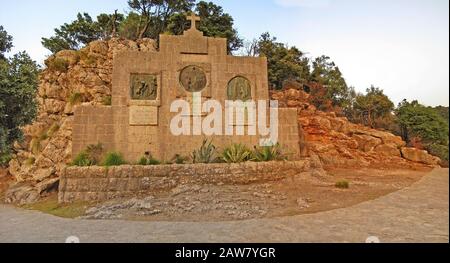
{"points": [[70, 79], [338, 142], [419, 156]]}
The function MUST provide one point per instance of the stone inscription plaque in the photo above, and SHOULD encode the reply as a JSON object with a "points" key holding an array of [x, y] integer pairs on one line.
{"points": [[143, 115], [239, 88], [144, 87], [193, 79]]}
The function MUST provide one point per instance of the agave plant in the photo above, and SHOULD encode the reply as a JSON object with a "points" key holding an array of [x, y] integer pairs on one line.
{"points": [[205, 154], [237, 153], [269, 153]]}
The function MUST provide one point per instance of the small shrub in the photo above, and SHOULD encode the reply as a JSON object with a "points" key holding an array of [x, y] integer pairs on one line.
{"points": [[269, 153], [342, 185], [58, 64], [76, 98], [237, 153], [95, 153], [107, 101], [148, 160], [205, 154], [82, 159], [113, 159], [179, 159], [142, 161]]}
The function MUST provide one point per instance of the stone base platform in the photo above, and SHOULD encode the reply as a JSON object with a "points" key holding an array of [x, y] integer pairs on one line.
{"points": [[95, 184]]}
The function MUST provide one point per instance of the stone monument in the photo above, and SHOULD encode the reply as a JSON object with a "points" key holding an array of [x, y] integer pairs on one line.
{"points": [[188, 67]]}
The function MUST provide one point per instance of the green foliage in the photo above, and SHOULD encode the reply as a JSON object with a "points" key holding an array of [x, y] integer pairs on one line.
{"points": [[326, 73], [5, 157], [215, 23], [148, 160], [372, 105], [5, 42], [427, 123], [438, 150], [269, 153], [179, 159], [82, 159], [107, 101], [342, 185], [90, 156], [150, 18], [58, 64], [76, 98], [443, 111], [129, 28], [237, 153], [18, 87], [424, 122], [82, 31], [284, 63], [113, 159], [207, 153]]}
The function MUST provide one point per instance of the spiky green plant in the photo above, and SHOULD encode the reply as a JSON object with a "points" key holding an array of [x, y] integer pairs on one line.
{"points": [[269, 153], [207, 153], [237, 153]]}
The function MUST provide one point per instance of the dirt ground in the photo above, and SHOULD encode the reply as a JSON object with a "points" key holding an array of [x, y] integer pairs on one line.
{"points": [[302, 194]]}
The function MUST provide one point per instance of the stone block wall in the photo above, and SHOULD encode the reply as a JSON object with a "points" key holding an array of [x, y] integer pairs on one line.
{"points": [[92, 125], [100, 183]]}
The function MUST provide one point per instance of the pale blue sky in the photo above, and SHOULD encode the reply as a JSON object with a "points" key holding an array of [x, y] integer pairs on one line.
{"points": [[401, 46]]}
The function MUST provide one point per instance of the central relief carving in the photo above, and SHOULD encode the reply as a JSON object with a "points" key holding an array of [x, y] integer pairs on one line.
{"points": [[193, 79], [239, 88], [144, 87]]}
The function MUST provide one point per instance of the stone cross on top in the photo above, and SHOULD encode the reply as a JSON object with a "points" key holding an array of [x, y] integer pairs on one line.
{"points": [[194, 18]]}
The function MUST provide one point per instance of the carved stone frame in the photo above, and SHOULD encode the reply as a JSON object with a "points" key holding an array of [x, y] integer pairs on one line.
{"points": [[250, 77], [206, 67], [155, 103]]}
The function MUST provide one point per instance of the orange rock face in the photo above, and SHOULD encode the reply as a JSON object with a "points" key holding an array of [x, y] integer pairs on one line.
{"points": [[338, 142]]}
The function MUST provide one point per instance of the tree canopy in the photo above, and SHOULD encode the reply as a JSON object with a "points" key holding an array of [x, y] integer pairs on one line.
{"points": [[5, 42], [284, 63], [326, 73], [372, 105], [416, 119], [146, 19], [18, 86]]}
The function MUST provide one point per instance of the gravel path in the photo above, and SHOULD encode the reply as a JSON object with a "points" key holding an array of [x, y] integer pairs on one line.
{"points": [[419, 213]]}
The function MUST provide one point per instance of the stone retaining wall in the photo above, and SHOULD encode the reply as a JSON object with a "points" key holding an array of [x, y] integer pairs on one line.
{"points": [[101, 183]]}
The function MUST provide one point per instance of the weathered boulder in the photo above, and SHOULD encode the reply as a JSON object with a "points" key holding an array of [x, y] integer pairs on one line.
{"points": [[388, 150], [366, 143], [420, 156], [21, 194]]}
